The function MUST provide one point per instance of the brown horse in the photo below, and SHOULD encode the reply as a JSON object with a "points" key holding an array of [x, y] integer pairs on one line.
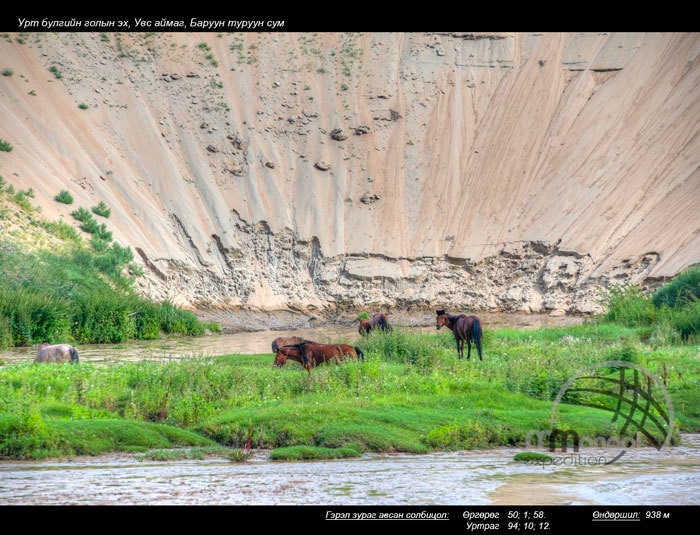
{"points": [[364, 327], [312, 354], [56, 353], [465, 328], [379, 320]]}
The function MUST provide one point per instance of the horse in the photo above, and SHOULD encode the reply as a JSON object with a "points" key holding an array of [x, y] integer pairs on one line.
{"points": [[379, 320], [465, 328], [283, 341], [364, 327], [312, 354], [56, 353]]}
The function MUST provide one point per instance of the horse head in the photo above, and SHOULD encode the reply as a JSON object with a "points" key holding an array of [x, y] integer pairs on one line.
{"points": [[280, 358], [441, 319]]}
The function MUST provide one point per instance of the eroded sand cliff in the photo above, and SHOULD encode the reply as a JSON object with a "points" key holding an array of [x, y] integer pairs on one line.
{"points": [[499, 171]]}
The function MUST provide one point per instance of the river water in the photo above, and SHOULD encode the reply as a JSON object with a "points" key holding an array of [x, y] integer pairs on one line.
{"points": [[644, 476]]}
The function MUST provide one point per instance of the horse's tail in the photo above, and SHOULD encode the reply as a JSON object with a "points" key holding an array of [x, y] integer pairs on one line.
{"points": [[73, 355], [382, 323], [359, 353], [477, 334], [275, 346]]}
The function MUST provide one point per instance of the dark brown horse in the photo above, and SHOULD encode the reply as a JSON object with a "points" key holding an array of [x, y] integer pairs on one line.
{"points": [[312, 354], [465, 328], [378, 321]]}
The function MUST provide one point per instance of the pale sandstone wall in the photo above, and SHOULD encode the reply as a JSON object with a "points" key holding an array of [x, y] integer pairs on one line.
{"points": [[502, 171]]}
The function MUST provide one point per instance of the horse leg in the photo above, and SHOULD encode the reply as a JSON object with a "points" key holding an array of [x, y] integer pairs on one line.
{"points": [[469, 348], [459, 349]]}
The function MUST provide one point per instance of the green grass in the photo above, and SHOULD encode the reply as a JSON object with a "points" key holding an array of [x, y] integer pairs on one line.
{"points": [[673, 311], [80, 295], [296, 453], [530, 456], [61, 230], [682, 289], [199, 453]]}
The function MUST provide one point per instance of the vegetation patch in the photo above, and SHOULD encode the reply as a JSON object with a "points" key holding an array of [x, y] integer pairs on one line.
{"points": [[101, 209], [64, 196], [296, 453], [179, 454], [532, 456]]}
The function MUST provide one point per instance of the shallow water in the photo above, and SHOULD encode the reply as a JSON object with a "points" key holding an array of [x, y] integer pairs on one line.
{"points": [[260, 341], [643, 476]]}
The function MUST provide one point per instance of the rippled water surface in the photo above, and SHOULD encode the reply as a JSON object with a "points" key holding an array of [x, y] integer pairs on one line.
{"points": [[644, 476]]}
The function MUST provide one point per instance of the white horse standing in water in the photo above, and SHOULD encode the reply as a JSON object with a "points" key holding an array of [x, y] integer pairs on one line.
{"points": [[56, 353]]}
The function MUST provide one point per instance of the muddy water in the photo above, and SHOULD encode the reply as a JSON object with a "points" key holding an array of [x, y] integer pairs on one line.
{"points": [[644, 476], [260, 341]]}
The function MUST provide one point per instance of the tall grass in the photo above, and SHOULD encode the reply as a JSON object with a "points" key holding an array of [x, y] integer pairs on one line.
{"points": [[79, 296], [682, 289], [673, 311]]}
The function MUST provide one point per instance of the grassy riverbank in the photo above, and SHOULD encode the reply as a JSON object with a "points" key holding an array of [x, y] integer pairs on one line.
{"points": [[412, 394]]}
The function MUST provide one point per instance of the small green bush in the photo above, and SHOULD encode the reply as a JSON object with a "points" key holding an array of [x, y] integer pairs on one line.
{"points": [[7, 72], [81, 214], [103, 233], [83, 106], [101, 209], [64, 196], [5, 146], [90, 226]]}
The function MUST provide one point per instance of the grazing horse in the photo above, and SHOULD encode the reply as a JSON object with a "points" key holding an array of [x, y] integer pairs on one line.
{"points": [[56, 353], [312, 354], [379, 320], [465, 328], [283, 341]]}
